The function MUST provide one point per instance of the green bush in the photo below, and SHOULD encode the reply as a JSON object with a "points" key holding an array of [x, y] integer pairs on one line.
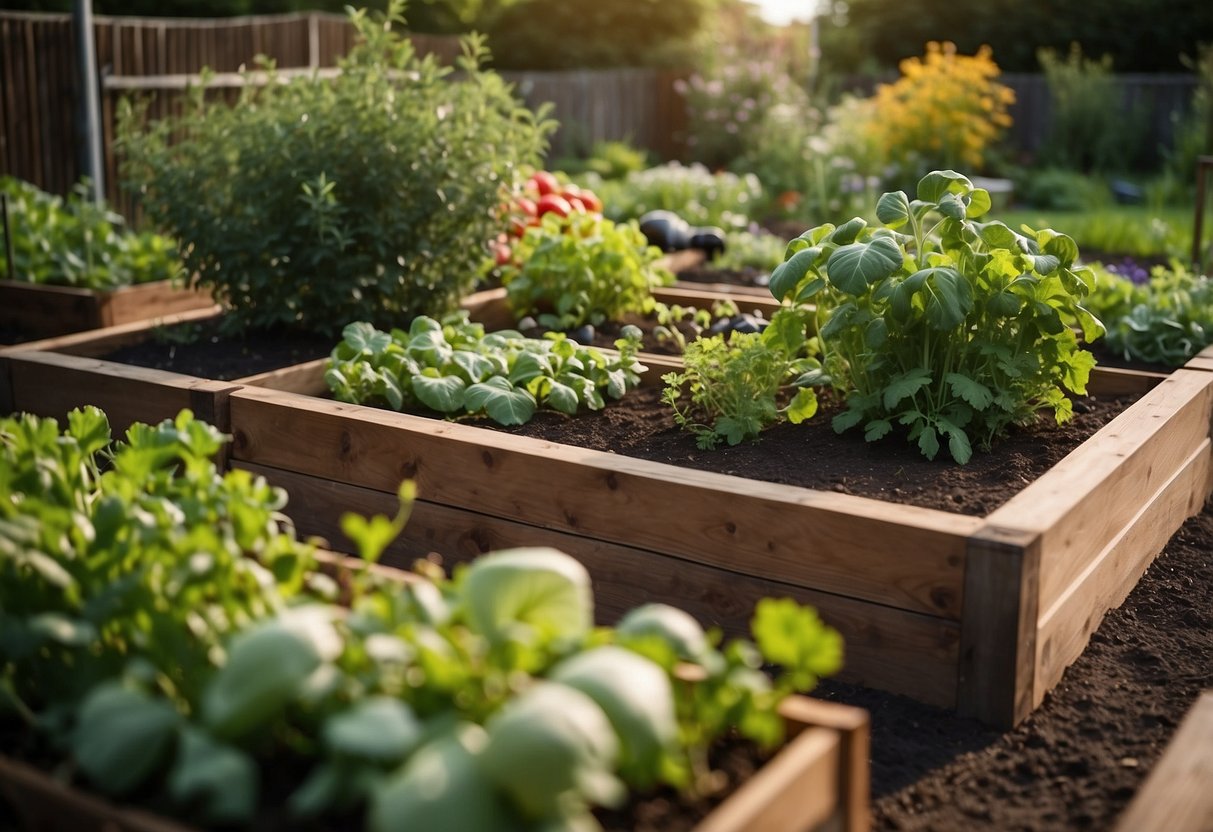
{"points": [[75, 242], [316, 202], [695, 193]]}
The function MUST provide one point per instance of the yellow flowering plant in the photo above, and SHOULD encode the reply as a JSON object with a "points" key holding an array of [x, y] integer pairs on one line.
{"points": [[945, 111]]}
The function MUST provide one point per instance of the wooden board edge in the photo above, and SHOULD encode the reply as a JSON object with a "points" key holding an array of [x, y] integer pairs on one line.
{"points": [[855, 727], [8, 402], [1176, 796], [997, 666], [100, 341]]}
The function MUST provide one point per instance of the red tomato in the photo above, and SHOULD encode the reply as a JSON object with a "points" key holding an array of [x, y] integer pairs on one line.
{"points": [[555, 203], [545, 183], [527, 206], [518, 226], [591, 201], [577, 204], [502, 254]]}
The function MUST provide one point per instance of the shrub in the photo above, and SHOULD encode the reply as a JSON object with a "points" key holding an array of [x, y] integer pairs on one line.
{"points": [[365, 197], [693, 192], [75, 242], [946, 110]]}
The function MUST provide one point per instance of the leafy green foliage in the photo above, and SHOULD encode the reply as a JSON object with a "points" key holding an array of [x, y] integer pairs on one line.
{"points": [[453, 367], [75, 242], [736, 383], [953, 328], [570, 271], [1166, 320], [164, 615], [316, 202], [759, 250], [696, 194]]}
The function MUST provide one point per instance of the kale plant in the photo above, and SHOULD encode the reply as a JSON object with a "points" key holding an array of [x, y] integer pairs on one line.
{"points": [[952, 328], [319, 201]]}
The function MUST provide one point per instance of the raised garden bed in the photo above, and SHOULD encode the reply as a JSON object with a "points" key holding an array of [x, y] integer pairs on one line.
{"points": [[1176, 795], [980, 614], [39, 311]]}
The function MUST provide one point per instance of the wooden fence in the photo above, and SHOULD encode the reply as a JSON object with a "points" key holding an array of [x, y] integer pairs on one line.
{"points": [[39, 138]]}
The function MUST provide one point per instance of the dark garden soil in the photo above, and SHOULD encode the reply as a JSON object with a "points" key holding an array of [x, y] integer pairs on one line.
{"points": [[813, 456], [747, 276]]}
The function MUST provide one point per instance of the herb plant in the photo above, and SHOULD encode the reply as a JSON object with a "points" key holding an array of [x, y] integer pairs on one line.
{"points": [[736, 383], [453, 367], [162, 628], [579, 269], [319, 201], [74, 242], [1164, 320], [952, 328]]}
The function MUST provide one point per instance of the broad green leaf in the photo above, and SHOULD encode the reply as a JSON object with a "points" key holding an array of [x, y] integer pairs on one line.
{"points": [[1060, 245], [802, 407], [796, 638], [846, 419], [364, 339], [550, 748], [928, 442], [391, 391], [905, 386], [733, 430], [220, 782], [637, 698], [998, 235], [813, 378], [893, 209], [788, 274], [90, 427], [476, 366], [380, 728], [1078, 371], [855, 267], [442, 393], [265, 669], [1045, 263], [949, 298], [528, 593], [933, 186], [671, 625], [504, 403], [61, 629], [952, 207], [979, 203], [809, 289], [848, 232], [958, 442], [841, 318], [527, 366], [973, 392], [122, 737], [371, 535], [422, 324], [442, 786], [563, 398], [876, 429], [1092, 327], [1004, 304]]}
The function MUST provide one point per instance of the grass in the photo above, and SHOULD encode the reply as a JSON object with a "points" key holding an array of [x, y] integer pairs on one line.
{"points": [[1130, 230]]}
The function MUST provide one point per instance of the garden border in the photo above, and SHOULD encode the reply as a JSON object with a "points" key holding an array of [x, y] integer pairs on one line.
{"points": [[44, 310]]}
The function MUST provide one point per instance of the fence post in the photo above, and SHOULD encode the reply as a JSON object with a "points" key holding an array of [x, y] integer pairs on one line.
{"points": [[90, 109], [313, 40]]}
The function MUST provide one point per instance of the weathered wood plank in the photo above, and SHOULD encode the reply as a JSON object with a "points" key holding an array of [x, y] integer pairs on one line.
{"points": [[887, 648], [51, 384], [102, 341], [1081, 504], [998, 631], [1176, 796], [46, 311], [1066, 624], [152, 300], [905, 556]]}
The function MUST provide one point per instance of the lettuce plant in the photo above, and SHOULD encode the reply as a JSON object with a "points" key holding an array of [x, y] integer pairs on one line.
{"points": [[161, 624], [952, 328], [454, 367]]}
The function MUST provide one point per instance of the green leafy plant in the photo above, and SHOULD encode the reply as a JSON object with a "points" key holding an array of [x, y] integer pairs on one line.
{"points": [[161, 626], [579, 269], [696, 194], [953, 328], [317, 201], [750, 249], [453, 367], [1164, 320], [735, 383], [75, 242]]}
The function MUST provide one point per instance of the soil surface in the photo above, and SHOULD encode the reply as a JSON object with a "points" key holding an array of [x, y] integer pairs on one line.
{"points": [[747, 276], [814, 456]]}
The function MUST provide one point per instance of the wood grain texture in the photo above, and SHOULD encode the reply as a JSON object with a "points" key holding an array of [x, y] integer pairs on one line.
{"points": [[1177, 797], [853, 725], [1084, 502], [51, 384], [1066, 624], [101, 341], [1113, 381], [997, 666], [907, 557], [47, 311], [1203, 360], [151, 300], [886, 648]]}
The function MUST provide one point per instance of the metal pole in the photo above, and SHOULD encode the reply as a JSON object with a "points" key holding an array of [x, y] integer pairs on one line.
{"points": [[90, 108]]}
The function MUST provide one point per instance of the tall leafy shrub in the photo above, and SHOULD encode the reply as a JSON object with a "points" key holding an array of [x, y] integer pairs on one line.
{"points": [[315, 202]]}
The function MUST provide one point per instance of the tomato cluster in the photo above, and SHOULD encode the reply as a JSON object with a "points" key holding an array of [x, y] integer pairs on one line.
{"points": [[542, 194]]}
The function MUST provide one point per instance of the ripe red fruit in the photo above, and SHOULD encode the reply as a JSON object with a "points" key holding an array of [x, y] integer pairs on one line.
{"points": [[502, 253], [577, 204], [526, 206], [545, 183], [591, 201], [555, 204]]}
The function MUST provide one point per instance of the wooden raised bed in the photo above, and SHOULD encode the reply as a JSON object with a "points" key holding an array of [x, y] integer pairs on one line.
{"points": [[818, 782], [1176, 797], [42, 311], [979, 614]]}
